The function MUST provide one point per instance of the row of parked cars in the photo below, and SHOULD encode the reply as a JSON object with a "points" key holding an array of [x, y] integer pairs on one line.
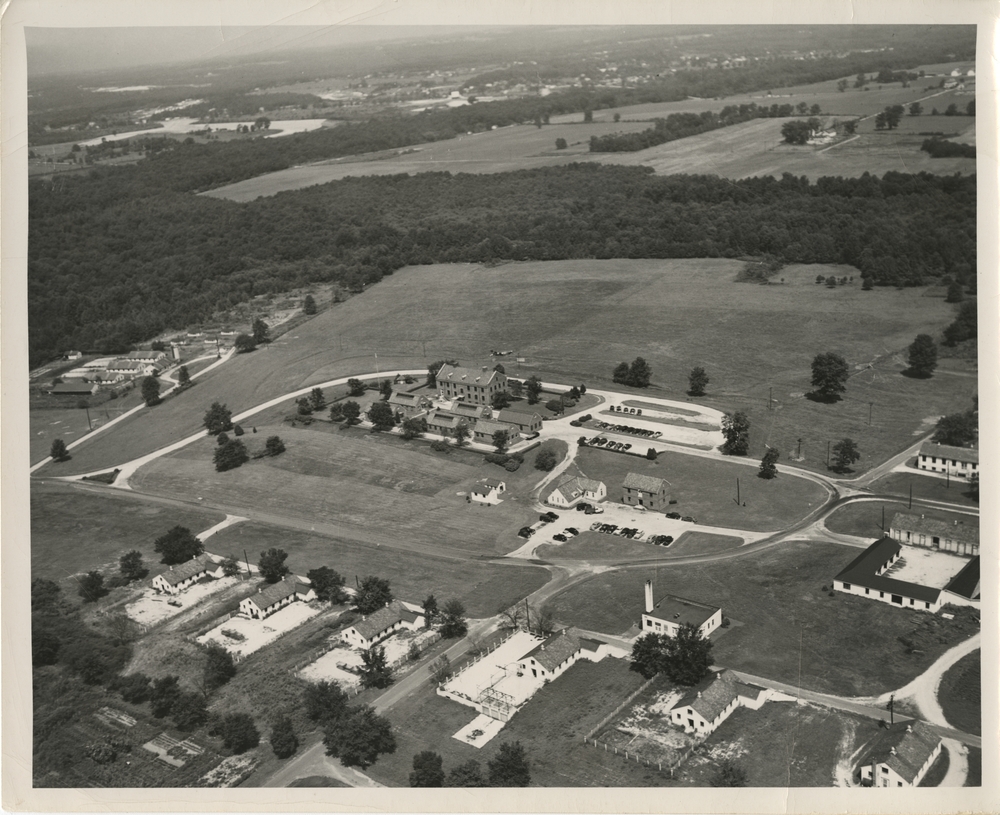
{"points": [[613, 529], [678, 517], [608, 444], [635, 431], [562, 537]]}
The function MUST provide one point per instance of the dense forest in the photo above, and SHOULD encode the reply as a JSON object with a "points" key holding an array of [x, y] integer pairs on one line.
{"points": [[122, 255]]}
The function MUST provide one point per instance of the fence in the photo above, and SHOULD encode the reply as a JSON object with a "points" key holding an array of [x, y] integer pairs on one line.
{"points": [[659, 765], [484, 654], [620, 708]]}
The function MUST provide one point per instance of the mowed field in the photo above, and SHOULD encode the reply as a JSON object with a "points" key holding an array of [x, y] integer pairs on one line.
{"points": [[791, 630], [752, 340], [864, 518], [402, 495], [481, 585], [705, 488], [76, 530]]}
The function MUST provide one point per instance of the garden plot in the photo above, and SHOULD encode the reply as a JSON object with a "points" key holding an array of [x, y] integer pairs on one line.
{"points": [[242, 636], [336, 665], [154, 607], [397, 647], [926, 567], [646, 730]]}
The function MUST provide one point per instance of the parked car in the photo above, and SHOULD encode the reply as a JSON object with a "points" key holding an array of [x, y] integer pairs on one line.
{"points": [[595, 510], [675, 515], [688, 518], [583, 506], [550, 516], [526, 532], [572, 530], [560, 538]]}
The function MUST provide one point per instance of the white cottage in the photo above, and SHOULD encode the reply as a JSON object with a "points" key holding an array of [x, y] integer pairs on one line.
{"points": [[179, 577]]}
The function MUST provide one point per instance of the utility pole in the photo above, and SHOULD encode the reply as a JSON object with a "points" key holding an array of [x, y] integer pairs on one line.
{"points": [[377, 374], [909, 504], [247, 559], [798, 455], [769, 390], [89, 425], [883, 518], [947, 476], [828, 455], [890, 707], [527, 616], [870, 404], [737, 492]]}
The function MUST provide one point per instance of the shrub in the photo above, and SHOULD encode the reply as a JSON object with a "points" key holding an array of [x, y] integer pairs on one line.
{"points": [[497, 458], [512, 465], [545, 460], [440, 446]]}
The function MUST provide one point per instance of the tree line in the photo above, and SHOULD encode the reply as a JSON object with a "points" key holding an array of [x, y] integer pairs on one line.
{"points": [[111, 265]]}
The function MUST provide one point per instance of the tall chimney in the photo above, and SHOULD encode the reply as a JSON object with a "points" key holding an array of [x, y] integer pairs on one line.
{"points": [[649, 596]]}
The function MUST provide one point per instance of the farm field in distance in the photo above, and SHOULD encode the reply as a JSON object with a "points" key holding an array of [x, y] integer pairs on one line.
{"points": [[550, 311], [791, 630]]}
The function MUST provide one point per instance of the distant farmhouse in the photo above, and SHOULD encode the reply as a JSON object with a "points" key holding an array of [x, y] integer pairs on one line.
{"points": [[383, 624], [488, 491], [900, 756], [275, 597], [645, 491], [671, 612], [176, 579], [865, 576], [919, 530], [940, 458], [475, 385], [574, 490], [713, 700]]}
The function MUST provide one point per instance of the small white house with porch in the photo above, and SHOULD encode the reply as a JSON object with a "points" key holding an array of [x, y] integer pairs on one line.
{"points": [[488, 491], [900, 756], [713, 700], [573, 490], [383, 623], [179, 577], [272, 598]]}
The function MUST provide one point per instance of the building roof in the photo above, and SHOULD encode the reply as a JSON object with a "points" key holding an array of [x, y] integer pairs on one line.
{"points": [[489, 427], [481, 377], [188, 569], [72, 387], [956, 530], [151, 355], [712, 695], [407, 399], [467, 409], [679, 611], [555, 650], [862, 572], [966, 582], [126, 365], [383, 619], [646, 483], [519, 417], [945, 451], [440, 418], [904, 748], [493, 482], [276, 592]]}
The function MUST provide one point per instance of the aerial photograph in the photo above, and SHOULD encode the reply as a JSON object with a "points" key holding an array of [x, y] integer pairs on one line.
{"points": [[504, 406]]}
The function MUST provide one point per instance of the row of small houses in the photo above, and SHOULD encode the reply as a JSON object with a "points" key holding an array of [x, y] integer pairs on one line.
{"points": [[88, 378]]}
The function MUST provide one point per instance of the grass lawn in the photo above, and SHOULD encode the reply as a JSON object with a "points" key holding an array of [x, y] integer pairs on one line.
{"points": [[550, 726], [781, 745], [864, 518], [68, 424], [369, 488], [74, 531], [933, 489], [703, 543], [483, 587], [960, 694], [596, 546], [551, 311], [937, 772], [793, 631], [706, 488]]}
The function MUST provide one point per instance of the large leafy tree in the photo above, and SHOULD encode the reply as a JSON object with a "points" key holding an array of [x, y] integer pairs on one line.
{"points": [[845, 453], [261, 331], [219, 667], [533, 389], [131, 566], [461, 433], [230, 455], [687, 656], [697, 381], [177, 546], [922, 356], [58, 450], [381, 416], [373, 593], [238, 731], [453, 622], [647, 654], [272, 564], [428, 770], [283, 740], [359, 738], [244, 343], [639, 373], [413, 427], [768, 464], [966, 324], [510, 767], [151, 391], [328, 584], [957, 429], [375, 670], [274, 446], [796, 132], [350, 410], [469, 774], [92, 587], [188, 711], [324, 701], [218, 419], [829, 376], [736, 432]]}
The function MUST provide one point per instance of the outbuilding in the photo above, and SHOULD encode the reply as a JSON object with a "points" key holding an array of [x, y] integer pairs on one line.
{"points": [[179, 577], [645, 491]]}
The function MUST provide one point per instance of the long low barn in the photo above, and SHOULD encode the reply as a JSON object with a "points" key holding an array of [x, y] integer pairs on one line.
{"points": [[864, 576], [955, 536]]}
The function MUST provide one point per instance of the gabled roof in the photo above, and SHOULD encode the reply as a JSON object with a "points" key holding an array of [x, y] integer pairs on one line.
{"points": [[967, 454], [383, 619], [573, 488], [467, 409], [493, 482], [490, 427], [275, 593], [72, 387], [679, 611], [519, 417], [481, 377], [407, 399], [862, 572], [190, 568], [646, 483], [904, 748], [440, 418], [956, 530], [555, 650], [712, 695], [966, 582]]}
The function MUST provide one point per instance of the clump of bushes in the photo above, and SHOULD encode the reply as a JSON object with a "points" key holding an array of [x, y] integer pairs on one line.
{"points": [[440, 446], [509, 462]]}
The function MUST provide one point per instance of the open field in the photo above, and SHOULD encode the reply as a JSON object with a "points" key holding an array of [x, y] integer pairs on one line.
{"points": [[482, 586], [550, 726], [371, 491], [864, 518], [550, 313], [781, 745], [960, 694], [703, 543], [793, 631], [596, 546], [706, 488], [74, 531], [923, 486]]}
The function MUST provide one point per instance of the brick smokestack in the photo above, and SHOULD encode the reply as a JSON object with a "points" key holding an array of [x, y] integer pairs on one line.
{"points": [[649, 596]]}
